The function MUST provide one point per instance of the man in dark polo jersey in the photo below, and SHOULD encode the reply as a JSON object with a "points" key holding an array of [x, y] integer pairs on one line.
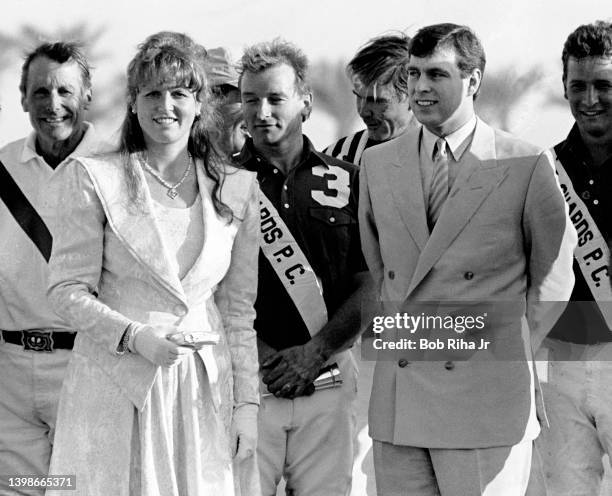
{"points": [[310, 280], [578, 390]]}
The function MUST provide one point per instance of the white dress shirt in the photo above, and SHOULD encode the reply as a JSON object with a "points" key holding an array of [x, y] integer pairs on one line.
{"points": [[458, 142]]}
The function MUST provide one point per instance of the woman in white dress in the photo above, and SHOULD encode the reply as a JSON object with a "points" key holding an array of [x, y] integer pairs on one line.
{"points": [[154, 262]]}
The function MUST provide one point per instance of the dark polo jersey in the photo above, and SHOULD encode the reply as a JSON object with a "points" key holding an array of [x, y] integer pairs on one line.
{"points": [[582, 321], [317, 201]]}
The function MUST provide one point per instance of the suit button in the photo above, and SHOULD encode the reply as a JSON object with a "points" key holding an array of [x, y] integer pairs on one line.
{"points": [[469, 275], [449, 365], [179, 310], [391, 274], [403, 362]]}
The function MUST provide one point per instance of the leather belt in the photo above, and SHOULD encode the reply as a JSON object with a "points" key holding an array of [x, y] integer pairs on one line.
{"points": [[40, 339]]}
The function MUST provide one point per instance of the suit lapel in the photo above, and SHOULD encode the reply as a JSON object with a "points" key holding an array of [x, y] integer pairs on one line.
{"points": [[477, 178], [403, 176], [136, 227]]}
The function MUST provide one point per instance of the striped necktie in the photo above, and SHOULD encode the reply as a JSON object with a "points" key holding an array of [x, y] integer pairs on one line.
{"points": [[439, 182]]}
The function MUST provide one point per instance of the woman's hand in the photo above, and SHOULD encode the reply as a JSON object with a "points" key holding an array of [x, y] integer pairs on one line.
{"points": [[244, 432], [195, 340], [152, 343]]}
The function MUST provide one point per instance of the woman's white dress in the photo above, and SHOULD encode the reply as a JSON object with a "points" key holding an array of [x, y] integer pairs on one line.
{"points": [[126, 427]]}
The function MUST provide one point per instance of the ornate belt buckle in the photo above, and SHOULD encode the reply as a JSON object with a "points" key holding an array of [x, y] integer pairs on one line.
{"points": [[37, 340]]}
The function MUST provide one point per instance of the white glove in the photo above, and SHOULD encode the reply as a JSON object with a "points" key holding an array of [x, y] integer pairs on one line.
{"points": [[152, 343], [243, 435]]}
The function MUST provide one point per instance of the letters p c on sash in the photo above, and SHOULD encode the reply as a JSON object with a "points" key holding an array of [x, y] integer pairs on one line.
{"points": [[592, 253], [291, 266]]}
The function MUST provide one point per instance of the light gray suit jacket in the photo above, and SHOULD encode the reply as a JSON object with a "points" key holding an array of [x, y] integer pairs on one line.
{"points": [[503, 235]]}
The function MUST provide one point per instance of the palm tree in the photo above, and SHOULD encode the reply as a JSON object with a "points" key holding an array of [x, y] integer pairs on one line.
{"points": [[333, 93], [501, 91]]}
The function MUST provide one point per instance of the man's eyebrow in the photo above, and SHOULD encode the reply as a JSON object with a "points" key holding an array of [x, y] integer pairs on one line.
{"points": [[271, 93], [437, 68]]}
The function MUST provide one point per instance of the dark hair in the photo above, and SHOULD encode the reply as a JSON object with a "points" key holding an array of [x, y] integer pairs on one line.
{"points": [[174, 59], [222, 91], [465, 43], [232, 117], [588, 40], [262, 56], [60, 52], [381, 61]]}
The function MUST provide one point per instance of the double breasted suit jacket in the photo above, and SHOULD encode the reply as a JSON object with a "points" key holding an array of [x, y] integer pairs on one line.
{"points": [[503, 235]]}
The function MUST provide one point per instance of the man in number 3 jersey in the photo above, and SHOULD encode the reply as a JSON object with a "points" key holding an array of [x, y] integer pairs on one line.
{"points": [[310, 280]]}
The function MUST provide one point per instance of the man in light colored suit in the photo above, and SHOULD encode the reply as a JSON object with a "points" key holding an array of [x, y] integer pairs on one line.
{"points": [[460, 211]]}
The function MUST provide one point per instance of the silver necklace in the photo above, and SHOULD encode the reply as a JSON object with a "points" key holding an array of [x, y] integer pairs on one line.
{"points": [[172, 188]]}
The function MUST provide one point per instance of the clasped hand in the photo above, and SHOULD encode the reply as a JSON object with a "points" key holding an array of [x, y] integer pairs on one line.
{"points": [[164, 345], [290, 373]]}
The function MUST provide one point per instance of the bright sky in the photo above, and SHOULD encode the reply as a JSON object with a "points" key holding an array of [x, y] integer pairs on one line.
{"points": [[521, 33]]}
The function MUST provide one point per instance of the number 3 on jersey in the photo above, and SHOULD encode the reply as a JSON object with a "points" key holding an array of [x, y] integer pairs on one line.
{"points": [[337, 191]]}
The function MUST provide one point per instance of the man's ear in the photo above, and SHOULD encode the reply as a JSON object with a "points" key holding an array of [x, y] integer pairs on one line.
{"points": [[565, 96], [24, 103], [87, 98], [307, 101], [474, 82]]}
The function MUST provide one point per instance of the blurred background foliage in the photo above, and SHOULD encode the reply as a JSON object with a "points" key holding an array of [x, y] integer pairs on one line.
{"points": [[500, 93]]}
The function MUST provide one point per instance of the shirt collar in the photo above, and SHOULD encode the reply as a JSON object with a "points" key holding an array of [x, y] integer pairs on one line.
{"points": [[457, 141], [86, 146], [573, 145], [573, 153], [249, 157]]}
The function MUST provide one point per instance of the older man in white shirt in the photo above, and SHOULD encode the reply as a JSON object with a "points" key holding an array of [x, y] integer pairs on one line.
{"points": [[35, 344]]}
